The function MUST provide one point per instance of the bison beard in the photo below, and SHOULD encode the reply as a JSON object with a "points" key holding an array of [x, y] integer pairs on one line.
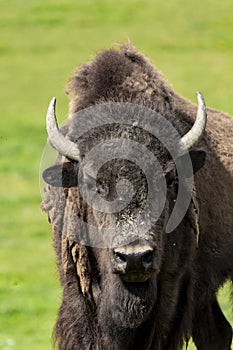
{"points": [[130, 304], [124, 308]]}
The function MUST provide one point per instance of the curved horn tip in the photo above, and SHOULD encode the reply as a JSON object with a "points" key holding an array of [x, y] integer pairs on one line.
{"points": [[51, 108], [51, 120], [202, 106], [57, 140], [52, 103], [193, 136], [200, 98]]}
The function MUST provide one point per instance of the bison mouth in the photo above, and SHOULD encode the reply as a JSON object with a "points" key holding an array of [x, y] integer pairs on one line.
{"points": [[136, 277]]}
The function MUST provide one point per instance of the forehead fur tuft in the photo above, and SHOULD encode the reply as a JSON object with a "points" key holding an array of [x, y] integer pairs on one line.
{"points": [[122, 75]]}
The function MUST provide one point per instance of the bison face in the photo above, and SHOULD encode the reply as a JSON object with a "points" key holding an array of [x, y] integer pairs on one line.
{"points": [[130, 270]]}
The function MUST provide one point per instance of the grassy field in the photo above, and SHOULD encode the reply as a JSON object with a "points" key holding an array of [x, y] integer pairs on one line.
{"points": [[41, 42]]}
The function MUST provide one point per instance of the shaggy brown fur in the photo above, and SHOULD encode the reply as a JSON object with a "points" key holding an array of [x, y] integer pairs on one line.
{"points": [[99, 310]]}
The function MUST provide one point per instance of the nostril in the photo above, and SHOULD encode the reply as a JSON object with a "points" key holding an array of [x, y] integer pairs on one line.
{"points": [[120, 258], [147, 259], [119, 262]]}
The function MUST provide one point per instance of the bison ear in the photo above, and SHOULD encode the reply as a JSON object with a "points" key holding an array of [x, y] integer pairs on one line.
{"points": [[62, 175], [198, 159]]}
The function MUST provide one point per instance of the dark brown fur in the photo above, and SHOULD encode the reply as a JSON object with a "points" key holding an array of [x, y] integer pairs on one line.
{"points": [[100, 311]]}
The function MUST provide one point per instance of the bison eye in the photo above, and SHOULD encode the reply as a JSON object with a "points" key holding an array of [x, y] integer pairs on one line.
{"points": [[170, 183]]}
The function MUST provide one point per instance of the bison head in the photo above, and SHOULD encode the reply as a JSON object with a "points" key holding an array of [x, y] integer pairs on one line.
{"points": [[125, 240]]}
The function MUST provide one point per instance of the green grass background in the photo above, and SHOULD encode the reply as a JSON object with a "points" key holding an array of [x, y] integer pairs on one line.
{"points": [[41, 42]]}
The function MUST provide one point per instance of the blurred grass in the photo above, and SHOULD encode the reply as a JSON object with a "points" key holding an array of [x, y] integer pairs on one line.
{"points": [[40, 44]]}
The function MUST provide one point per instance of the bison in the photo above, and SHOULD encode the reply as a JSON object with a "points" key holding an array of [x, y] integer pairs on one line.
{"points": [[140, 286]]}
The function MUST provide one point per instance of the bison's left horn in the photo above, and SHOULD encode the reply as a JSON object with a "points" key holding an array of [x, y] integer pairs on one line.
{"points": [[58, 141], [194, 135]]}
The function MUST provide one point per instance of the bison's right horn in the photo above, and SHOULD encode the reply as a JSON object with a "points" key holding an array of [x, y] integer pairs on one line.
{"points": [[194, 135], [57, 140]]}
